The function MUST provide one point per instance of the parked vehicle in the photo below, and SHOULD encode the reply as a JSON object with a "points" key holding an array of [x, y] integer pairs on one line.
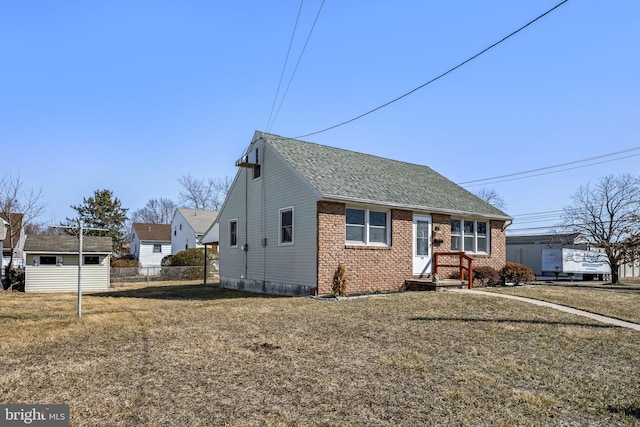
{"points": [[571, 262]]}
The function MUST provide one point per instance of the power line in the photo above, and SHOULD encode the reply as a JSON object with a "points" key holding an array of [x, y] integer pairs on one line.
{"points": [[552, 167], [284, 67], [539, 213], [439, 76], [297, 64], [560, 170]]}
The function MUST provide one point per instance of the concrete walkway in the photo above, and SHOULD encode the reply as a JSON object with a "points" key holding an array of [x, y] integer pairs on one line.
{"points": [[598, 317]]}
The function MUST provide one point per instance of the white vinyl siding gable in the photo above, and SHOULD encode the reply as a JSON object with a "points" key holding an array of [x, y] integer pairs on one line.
{"points": [[279, 187], [182, 235], [148, 257]]}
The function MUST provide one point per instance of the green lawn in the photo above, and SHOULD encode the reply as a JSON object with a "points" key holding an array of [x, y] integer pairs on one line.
{"points": [[192, 355]]}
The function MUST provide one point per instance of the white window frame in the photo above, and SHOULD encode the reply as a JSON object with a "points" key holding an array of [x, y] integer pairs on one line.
{"points": [[367, 227], [280, 226], [461, 235], [233, 220], [158, 246]]}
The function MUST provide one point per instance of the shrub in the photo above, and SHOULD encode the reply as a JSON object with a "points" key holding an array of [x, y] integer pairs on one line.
{"points": [[516, 273], [486, 276], [339, 287], [189, 257], [456, 275], [191, 261]]}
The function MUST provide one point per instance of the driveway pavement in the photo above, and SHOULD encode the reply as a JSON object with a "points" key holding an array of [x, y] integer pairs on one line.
{"points": [[598, 317]]}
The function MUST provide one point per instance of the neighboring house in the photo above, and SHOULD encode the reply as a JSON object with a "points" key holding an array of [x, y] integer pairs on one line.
{"points": [[527, 250], [52, 263], [212, 236], [149, 244], [3, 233], [188, 227], [296, 210], [14, 239]]}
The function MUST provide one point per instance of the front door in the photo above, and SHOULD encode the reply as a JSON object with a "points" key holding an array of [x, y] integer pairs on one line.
{"points": [[421, 244]]}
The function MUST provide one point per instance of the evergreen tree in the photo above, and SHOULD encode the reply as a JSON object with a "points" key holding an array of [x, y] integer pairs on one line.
{"points": [[103, 210]]}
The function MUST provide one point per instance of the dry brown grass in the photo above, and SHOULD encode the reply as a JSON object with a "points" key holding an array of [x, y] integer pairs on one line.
{"points": [[615, 302], [199, 356]]}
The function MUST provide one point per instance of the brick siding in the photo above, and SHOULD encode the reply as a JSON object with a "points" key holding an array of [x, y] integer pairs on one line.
{"points": [[368, 268], [385, 268]]}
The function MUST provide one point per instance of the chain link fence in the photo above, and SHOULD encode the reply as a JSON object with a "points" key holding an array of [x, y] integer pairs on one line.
{"points": [[126, 276]]}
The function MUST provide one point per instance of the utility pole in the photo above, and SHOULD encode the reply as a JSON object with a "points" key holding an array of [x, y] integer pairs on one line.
{"points": [[81, 228]]}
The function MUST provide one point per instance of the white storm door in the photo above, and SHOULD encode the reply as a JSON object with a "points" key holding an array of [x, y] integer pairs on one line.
{"points": [[421, 244]]}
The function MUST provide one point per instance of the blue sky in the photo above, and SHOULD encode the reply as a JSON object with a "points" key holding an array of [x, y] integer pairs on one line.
{"points": [[129, 96]]}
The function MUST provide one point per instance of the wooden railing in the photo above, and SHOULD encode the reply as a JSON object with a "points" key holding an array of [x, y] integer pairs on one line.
{"points": [[462, 257]]}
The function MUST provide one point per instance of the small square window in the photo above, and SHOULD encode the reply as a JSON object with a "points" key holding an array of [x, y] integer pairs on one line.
{"points": [[91, 260], [157, 248]]}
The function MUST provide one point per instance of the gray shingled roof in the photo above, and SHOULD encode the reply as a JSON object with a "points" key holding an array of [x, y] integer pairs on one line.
{"points": [[351, 176], [199, 220], [66, 243]]}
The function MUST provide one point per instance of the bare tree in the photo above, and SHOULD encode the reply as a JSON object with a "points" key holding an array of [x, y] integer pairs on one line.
{"points": [[492, 197], [18, 208], [203, 194], [607, 214], [155, 211]]}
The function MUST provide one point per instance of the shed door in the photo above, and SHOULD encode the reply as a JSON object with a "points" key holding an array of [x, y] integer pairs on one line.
{"points": [[421, 244]]}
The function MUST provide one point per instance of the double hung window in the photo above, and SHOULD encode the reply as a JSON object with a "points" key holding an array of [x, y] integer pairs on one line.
{"points": [[469, 236], [233, 233], [366, 226], [286, 226]]}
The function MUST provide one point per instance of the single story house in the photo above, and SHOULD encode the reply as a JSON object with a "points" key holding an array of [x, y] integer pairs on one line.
{"points": [[52, 263], [149, 244], [297, 210], [188, 227], [3, 234], [14, 239]]}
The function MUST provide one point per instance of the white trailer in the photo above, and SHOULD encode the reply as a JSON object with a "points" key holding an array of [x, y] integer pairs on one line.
{"points": [[571, 262]]}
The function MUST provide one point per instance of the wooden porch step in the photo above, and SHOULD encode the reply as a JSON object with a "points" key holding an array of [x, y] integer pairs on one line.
{"points": [[430, 285]]}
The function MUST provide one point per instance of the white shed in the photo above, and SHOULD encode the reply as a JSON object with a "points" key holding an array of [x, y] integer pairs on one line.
{"points": [[52, 263]]}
